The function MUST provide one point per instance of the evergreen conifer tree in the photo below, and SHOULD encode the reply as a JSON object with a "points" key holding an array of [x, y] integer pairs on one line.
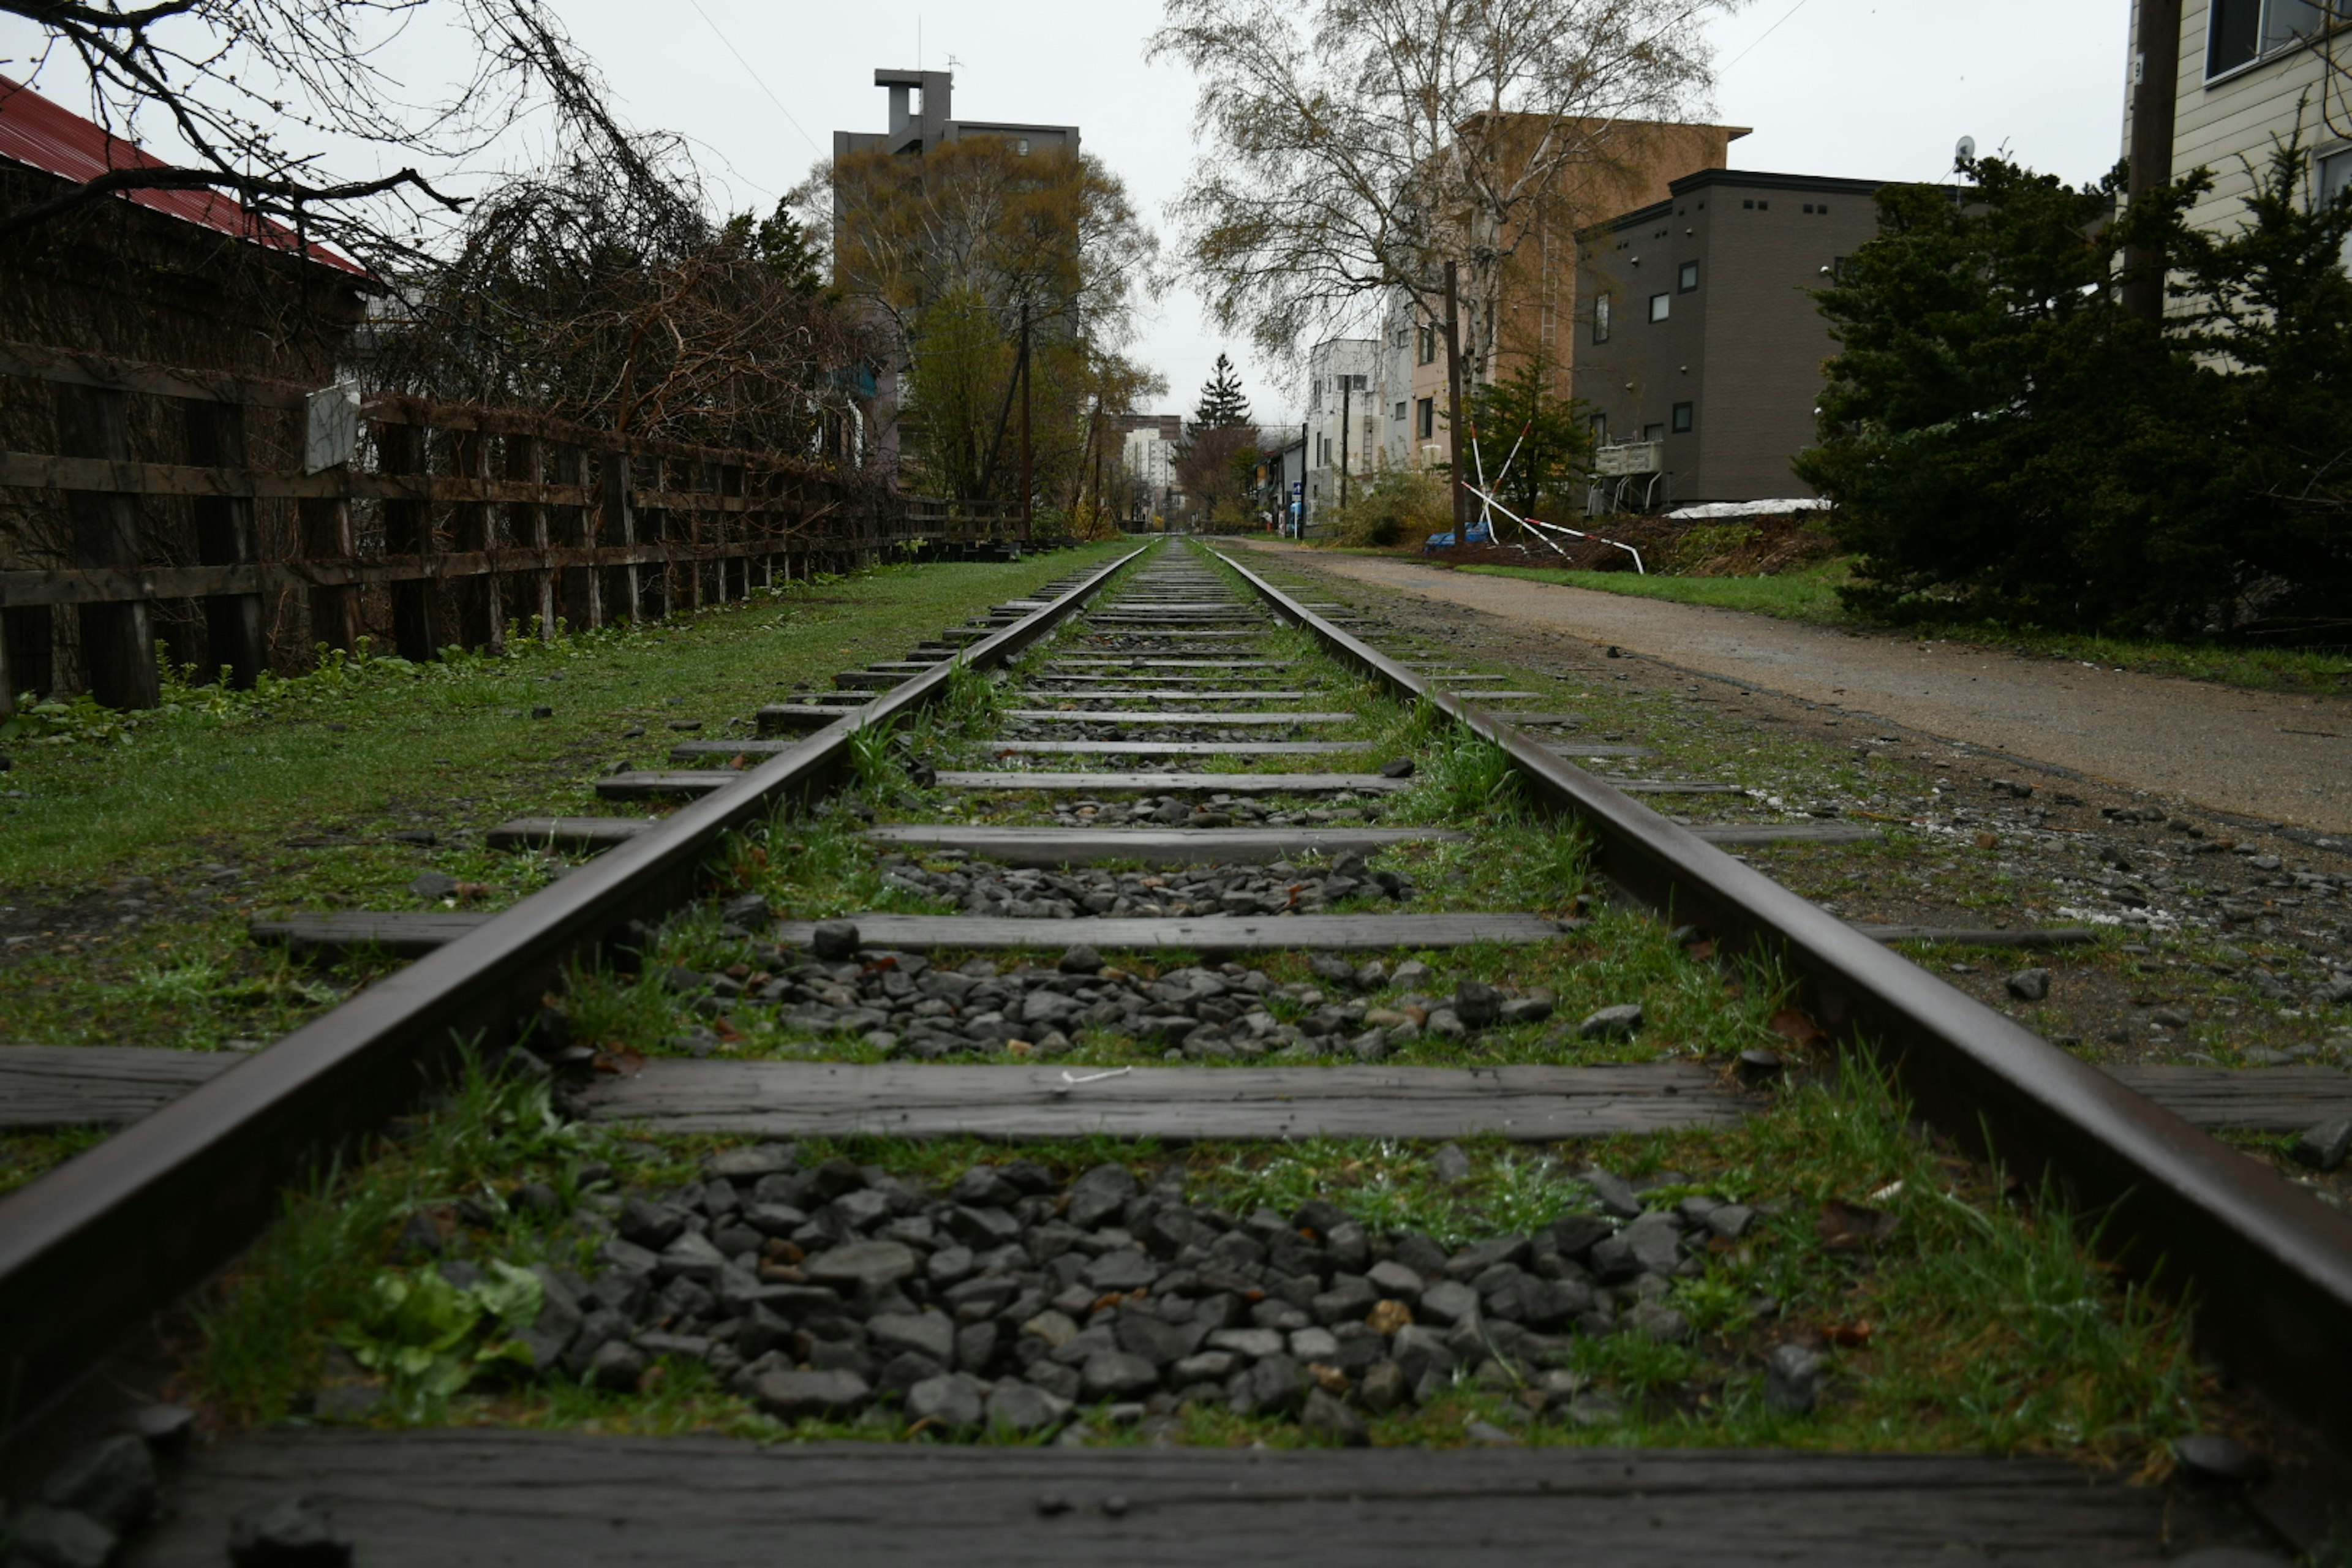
{"points": [[1222, 403]]}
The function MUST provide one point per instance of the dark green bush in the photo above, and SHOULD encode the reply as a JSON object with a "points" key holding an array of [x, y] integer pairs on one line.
{"points": [[2005, 441]]}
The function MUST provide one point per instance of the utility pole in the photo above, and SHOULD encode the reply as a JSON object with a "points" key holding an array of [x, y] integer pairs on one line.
{"points": [[1347, 391], [2156, 65], [1305, 453], [1454, 398], [1027, 472]]}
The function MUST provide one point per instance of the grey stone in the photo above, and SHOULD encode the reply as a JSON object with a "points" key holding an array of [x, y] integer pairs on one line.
{"points": [[1347, 1301], [1254, 1343], [1109, 1374], [1418, 1350], [1331, 1420], [1208, 1366], [1055, 1327], [1486, 1435], [1476, 1004], [346, 1402], [1448, 1302], [1730, 1221], [112, 1480], [2325, 1146], [926, 1333], [984, 1228], [1126, 1268], [1061, 1381], [293, 1532], [1450, 1164], [897, 1376], [1650, 1244], [2211, 1456], [616, 1367], [1158, 1340], [649, 1225], [1614, 1192], [1620, 1021], [1276, 1383], [1480, 1256], [1395, 1282], [692, 1257], [872, 1265], [1081, 960], [975, 1346], [2029, 984], [162, 1427], [1314, 1345], [1100, 1194], [834, 940], [58, 1538], [1383, 1386], [1793, 1379], [1660, 1322], [952, 1400], [796, 1395], [1026, 1409]]}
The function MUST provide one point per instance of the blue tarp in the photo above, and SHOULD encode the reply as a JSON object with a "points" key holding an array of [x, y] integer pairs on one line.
{"points": [[1479, 533]]}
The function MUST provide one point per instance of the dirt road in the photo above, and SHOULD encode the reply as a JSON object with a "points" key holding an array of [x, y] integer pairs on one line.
{"points": [[2279, 758]]}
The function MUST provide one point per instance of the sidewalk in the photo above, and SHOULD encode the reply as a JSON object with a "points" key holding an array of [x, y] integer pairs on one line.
{"points": [[2281, 758]]}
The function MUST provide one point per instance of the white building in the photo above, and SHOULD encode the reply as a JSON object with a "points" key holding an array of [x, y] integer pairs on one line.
{"points": [[1344, 417], [1147, 458], [2246, 69]]}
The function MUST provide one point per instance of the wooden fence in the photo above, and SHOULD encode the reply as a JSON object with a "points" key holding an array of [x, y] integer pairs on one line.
{"points": [[242, 524]]}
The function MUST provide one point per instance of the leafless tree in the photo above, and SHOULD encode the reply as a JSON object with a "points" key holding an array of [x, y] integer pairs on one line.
{"points": [[248, 94], [1353, 146]]}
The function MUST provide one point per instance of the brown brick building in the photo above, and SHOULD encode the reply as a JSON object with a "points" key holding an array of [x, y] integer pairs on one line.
{"points": [[1700, 332]]}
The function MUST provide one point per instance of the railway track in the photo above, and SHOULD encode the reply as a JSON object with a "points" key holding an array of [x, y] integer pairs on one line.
{"points": [[1157, 1017]]}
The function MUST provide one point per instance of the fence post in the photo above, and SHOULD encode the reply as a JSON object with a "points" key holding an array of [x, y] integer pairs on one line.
{"points": [[619, 527], [408, 531], [481, 609], [581, 588], [118, 640], [527, 526], [233, 622]]}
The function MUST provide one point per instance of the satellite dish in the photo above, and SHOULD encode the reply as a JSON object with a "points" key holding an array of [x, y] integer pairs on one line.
{"points": [[1964, 149]]}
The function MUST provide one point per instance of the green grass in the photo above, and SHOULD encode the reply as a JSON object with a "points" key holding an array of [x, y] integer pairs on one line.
{"points": [[1810, 596], [298, 784]]}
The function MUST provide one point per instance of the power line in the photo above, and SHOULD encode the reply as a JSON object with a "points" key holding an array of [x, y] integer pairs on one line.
{"points": [[763, 86], [1742, 54]]}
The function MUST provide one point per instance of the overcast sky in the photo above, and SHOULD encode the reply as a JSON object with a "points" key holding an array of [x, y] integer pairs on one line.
{"points": [[1867, 88]]}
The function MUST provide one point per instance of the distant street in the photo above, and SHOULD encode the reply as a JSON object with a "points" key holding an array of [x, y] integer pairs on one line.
{"points": [[2282, 758]]}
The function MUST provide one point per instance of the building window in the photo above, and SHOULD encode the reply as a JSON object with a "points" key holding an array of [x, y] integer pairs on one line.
{"points": [[1654, 432], [1022, 146], [1598, 424], [1682, 418], [1601, 307], [1399, 415], [1426, 425], [1660, 305], [1686, 280], [1428, 343], [1764, 204], [2335, 179], [1750, 203], [2240, 32], [1837, 268]]}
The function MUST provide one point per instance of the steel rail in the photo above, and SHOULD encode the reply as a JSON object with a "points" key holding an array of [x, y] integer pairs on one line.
{"points": [[2267, 1266], [91, 1250]]}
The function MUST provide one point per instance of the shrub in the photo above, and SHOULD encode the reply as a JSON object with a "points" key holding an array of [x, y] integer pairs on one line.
{"points": [[1391, 507]]}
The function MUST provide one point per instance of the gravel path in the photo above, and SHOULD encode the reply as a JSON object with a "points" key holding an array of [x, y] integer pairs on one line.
{"points": [[2285, 759]]}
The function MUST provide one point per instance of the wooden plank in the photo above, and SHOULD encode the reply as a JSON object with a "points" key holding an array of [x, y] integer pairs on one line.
{"points": [[1782, 832], [1161, 846], [1180, 783], [97, 1086], [1140, 663], [910, 1099], [666, 784], [2004, 936], [1148, 716], [407, 933], [2254, 1099], [1599, 749], [459, 1496], [1671, 786], [568, 832], [1171, 635], [801, 716], [1128, 693], [1179, 748], [1225, 933]]}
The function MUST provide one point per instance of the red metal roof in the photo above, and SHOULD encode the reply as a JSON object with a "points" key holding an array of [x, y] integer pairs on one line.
{"points": [[55, 140]]}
